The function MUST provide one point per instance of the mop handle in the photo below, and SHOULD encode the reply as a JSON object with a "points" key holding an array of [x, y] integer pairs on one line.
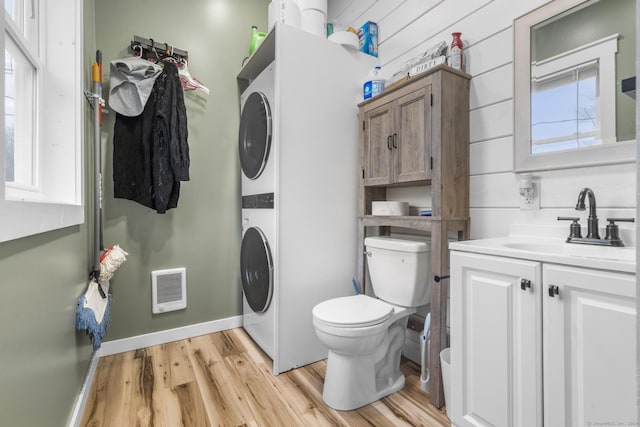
{"points": [[96, 77]]}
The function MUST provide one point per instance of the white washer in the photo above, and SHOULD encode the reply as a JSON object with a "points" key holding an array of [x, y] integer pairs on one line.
{"points": [[309, 88], [257, 270]]}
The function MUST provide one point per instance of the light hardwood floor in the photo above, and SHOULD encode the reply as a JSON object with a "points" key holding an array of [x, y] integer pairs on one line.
{"points": [[224, 379]]}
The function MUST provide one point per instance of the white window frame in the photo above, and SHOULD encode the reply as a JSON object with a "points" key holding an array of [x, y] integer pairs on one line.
{"points": [[603, 53], [605, 154], [59, 188]]}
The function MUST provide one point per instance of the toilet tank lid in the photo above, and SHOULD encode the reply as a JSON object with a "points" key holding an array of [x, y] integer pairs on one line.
{"points": [[392, 244]]}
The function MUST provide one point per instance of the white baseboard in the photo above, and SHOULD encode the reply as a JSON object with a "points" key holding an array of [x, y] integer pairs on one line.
{"points": [[81, 400], [161, 337]]}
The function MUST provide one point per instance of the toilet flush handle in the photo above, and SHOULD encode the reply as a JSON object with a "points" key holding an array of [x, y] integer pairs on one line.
{"points": [[367, 253]]}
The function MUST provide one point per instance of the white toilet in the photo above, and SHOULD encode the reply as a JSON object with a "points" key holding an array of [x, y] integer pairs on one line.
{"points": [[365, 335]]}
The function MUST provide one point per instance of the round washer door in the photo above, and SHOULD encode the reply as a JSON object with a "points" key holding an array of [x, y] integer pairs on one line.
{"points": [[256, 269], [254, 139]]}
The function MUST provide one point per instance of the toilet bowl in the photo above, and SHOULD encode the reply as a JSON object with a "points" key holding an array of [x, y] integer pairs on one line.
{"points": [[365, 335], [364, 351]]}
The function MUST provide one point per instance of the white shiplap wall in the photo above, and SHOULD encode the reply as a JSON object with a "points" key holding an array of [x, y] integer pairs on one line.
{"points": [[408, 28]]}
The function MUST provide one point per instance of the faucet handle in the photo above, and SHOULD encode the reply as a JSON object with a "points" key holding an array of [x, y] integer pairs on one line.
{"points": [[574, 229], [613, 232], [613, 220]]}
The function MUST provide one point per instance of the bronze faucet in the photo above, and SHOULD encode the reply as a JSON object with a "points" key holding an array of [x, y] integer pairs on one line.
{"points": [[592, 221], [593, 237]]}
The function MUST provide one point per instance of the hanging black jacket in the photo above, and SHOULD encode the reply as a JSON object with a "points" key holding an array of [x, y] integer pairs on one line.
{"points": [[150, 151]]}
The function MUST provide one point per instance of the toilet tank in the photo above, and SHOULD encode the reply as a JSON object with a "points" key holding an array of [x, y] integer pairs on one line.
{"points": [[399, 270]]}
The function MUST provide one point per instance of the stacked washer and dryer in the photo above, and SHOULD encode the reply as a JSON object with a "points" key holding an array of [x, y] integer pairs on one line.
{"points": [[298, 148]]}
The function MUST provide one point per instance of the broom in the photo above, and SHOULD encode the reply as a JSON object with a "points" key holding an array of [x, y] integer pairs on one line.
{"points": [[94, 306]]}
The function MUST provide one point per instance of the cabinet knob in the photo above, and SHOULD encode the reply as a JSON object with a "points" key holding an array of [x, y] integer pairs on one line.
{"points": [[395, 140], [524, 284], [553, 290], [389, 138]]}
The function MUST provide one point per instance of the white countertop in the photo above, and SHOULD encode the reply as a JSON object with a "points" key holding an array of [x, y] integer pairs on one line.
{"points": [[554, 250]]}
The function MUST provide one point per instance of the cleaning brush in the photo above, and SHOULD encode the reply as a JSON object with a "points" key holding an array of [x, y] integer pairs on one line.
{"points": [[110, 260]]}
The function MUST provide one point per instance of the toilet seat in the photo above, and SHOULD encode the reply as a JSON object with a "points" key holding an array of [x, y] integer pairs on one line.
{"points": [[356, 311]]}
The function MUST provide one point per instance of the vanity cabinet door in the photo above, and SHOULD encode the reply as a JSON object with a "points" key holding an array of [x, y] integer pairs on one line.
{"points": [[496, 368], [589, 347]]}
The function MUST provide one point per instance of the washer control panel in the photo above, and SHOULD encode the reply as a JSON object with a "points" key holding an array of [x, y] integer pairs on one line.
{"points": [[258, 201]]}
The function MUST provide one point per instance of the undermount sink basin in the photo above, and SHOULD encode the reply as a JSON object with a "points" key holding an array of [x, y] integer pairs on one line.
{"points": [[572, 249], [535, 247]]}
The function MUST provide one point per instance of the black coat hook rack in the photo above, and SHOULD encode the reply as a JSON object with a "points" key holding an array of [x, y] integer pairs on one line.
{"points": [[151, 49]]}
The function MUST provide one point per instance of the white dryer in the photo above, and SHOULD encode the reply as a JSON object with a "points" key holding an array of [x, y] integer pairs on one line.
{"points": [[257, 136], [298, 148]]}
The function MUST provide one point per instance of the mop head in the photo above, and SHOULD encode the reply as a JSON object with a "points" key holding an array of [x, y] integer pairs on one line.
{"points": [[111, 259], [93, 313]]}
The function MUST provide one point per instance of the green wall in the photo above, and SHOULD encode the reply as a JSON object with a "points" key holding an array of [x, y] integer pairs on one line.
{"points": [[203, 233], [44, 359]]}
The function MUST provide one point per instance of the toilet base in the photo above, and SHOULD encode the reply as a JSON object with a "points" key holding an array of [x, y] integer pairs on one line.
{"points": [[353, 381]]}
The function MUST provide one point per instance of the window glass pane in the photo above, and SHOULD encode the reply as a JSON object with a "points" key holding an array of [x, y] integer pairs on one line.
{"points": [[24, 21], [9, 6], [9, 108], [20, 117], [587, 108], [564, 111]]}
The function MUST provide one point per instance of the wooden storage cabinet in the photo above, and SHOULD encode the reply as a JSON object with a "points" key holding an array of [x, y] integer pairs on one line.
{"points": [[417, 134], [397, 140], [525, 358]]}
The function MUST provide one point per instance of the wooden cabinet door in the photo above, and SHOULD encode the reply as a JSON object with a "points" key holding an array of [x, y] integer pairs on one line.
{"points": [[378, 149], [496, 376], [412, 137], [589, 347]]}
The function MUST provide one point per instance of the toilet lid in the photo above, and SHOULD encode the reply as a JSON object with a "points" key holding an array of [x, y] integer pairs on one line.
{"points": [[353, 311]]}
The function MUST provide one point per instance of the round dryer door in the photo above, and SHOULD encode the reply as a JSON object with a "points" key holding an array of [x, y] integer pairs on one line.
{"points": [[254, 140], [256, 269]]}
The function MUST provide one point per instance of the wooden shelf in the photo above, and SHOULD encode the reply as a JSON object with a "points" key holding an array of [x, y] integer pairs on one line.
{"points": [[416, 134], [423, 223]]}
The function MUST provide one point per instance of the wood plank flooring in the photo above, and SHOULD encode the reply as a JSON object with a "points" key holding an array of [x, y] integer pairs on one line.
{"points": [[225, 379]]}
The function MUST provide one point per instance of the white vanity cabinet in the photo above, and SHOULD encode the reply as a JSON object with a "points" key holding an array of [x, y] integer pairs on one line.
{"points": [[589, 347], [496, 337], [524, 356]]}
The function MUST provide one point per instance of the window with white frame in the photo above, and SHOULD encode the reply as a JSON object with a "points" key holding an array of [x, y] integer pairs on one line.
{"points": [[42, 112], [573, 98], [21, 70], [564, 110]]}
